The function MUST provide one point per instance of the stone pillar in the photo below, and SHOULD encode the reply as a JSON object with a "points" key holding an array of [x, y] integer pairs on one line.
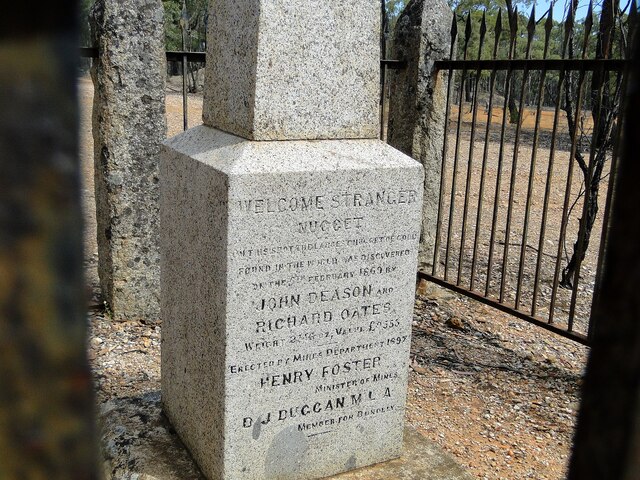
{"points": [[46, 421], [418, 101], [289, 249], [129, 126]]}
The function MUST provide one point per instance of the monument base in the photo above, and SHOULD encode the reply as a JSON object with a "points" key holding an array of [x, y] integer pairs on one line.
{"points": [[420, 460], [138, 442], [288, 276]]}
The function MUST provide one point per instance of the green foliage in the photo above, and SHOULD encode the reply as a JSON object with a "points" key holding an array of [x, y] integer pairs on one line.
{"points": [[85, 29], [196, 21], [488, 5], [172, 31], [394, 8]]}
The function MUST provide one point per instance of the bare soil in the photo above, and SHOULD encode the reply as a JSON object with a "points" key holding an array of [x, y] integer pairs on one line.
{"points": [[498, 393], [523, 254]]}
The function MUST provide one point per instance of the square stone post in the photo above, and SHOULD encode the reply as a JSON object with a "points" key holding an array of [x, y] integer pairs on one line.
{"points": [[289, 239], [129, 127], [418, 101]]}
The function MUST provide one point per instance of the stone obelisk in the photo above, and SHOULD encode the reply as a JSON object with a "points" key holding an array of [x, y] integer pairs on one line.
{"points": [[289, 238]]}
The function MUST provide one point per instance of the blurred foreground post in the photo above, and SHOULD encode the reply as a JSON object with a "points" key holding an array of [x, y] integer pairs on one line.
{"points": [[607, 442], [46, 423]]}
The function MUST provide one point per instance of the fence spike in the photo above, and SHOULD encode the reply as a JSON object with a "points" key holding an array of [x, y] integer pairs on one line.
{"points": [[497, 32], [513, 32], [588, 24], [467, 35], [548, 26], [531, 26], [531, 30], [588, 21], [568, 23], [483, 31], [513, 24], [568, 31], [454, 29], [498, 28]]}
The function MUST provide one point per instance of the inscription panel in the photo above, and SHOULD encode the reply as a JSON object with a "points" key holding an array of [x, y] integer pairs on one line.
{"points": [[320, 304]]}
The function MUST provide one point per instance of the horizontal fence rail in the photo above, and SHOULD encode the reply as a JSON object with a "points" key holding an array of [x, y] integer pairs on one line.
{"points": [[533, 64], [201, 57], [185, 57], [521, 223], [172, 56]]}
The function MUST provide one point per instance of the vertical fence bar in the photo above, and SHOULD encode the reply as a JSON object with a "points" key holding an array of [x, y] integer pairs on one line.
{"points": [[483, 30], [485, 153], [513, 30], [592, 180], [582, 229], [532, 166], [450, 81], [547, 190], [184, 24], [574, 146], [514, 163], [185, 121], [467, 37], [608, 201]]}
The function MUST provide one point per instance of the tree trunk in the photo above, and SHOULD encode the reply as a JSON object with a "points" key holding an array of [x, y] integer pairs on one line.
{"points": [[468, 90], [604, 111], [586, 225], [514, 115]]}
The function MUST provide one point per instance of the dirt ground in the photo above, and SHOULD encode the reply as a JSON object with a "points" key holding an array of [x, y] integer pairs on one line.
{"points": [[499, 394], [524, 200]]}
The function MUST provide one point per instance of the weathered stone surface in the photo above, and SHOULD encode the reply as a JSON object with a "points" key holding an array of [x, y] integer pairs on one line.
{"points": [[418, 100], [128, 128], [282, 70], [288, 273], [139, 443], [421, 460], [46, 415]]}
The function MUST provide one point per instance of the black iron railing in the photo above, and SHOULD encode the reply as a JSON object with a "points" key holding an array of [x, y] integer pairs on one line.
{"points": [[184, 58], [515, 225]]}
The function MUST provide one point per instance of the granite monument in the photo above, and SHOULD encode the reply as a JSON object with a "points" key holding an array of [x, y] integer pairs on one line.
{"points": [[289, 239]]}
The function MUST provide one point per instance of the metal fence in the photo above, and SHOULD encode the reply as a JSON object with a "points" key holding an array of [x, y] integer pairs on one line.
{"points": [[187, 59], [516, 226]]}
